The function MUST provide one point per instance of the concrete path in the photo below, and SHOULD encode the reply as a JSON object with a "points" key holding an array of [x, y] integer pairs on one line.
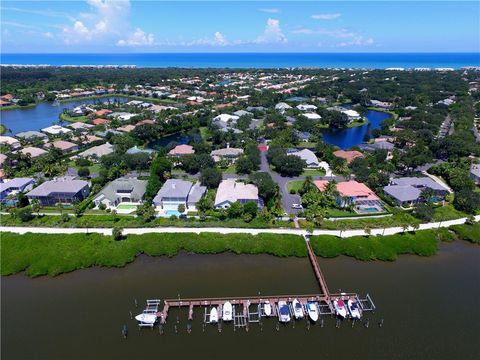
{"points": [[140, 231]]}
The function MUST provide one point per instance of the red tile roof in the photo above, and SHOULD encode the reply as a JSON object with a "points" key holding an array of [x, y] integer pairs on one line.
{"points": [[348, 155]]}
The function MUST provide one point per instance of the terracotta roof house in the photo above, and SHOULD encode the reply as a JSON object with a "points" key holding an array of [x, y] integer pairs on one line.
{"points": [[145, 122], [349, 156], [230, 191], [103, 112], [178, 192], [180, 150], [64, 146], [126, 128], [62, 190], [100, 121], [33, 151], [358, 194]]}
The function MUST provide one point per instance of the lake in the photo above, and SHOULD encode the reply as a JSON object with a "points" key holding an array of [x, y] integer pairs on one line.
{"points": [[349, 137], [44, 114], [430, 308]]}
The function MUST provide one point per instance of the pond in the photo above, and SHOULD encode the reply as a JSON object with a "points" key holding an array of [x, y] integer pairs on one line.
{"points": [[44, 114], [178, 139], [429, 306], [349, 137]]}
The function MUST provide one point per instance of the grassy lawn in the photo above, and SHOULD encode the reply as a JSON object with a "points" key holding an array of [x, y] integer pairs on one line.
{"points": [[447, 212], [307, 144], [230, 170], [204, 132], [357, 123], [294, 185], [72, 119], [314, 172], [340, 213], [3, 129], [94, 168]]}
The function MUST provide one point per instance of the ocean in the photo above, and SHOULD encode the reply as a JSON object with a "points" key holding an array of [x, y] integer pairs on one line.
{"points": [[254, 60]]}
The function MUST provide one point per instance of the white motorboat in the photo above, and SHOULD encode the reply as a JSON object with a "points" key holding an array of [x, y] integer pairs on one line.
{"points": [[312, 311], [283, 312], [213, 315], [146, 318], [227, 314], [267, 308], [340, 308], [297, 309], [354, 309]]}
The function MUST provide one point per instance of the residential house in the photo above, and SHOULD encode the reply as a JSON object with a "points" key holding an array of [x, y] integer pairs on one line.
{"points": [[352, 114], [100, 121], [10, 141], [10, 188], [80, 126], [121, 191], [407, 191], [381, 104], [475, 173], [97, 151], [241, 113], [103, 112], [3, 158], [61, 190], [354, 193], [31, 135], [33, 151], [137, 150], [230, 191], [126, 129], [282, 107], [178, 192], [349, 156], [229, 154], [312, 116], [307, 155], [306, 107], [180, 150], [56, 130], [64, 146]]}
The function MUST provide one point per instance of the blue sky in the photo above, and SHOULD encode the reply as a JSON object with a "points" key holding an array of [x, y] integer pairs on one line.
{"points": [[106, 26]]}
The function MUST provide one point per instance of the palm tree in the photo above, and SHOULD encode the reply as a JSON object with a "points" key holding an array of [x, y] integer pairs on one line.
{"points": [[59, 207], [405, 227], [367, 230], [36, 206]]}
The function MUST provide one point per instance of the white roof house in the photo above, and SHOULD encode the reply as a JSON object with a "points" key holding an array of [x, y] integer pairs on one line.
{"points": [[8, 140], [306, 107], [230, 191], [56, 130], [98, 151], [225, 118], [308, 156], [312, 116], [281, 107], [352, 114]]}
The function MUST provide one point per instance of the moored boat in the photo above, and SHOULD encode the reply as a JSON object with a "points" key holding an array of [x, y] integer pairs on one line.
{"points": [[146, 317], [354, 309], [283, 312], [297, 309], [312, 311], [213, 315], [227, 314], [340, 308], [267, 308]]}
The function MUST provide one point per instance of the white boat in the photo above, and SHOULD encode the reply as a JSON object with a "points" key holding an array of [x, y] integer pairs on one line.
{"points": [[283, 312], [267, 308], [312, 311], [340, 308], [227, 314], [354, 309], [297, 309], [213, 315], [146, 318]]}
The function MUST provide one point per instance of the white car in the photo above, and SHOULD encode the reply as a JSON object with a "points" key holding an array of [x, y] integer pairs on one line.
{"points": [[297, 206]]}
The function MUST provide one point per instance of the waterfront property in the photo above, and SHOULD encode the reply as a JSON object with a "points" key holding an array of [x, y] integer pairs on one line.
{"points": [[63, 146], [61, 190], [33, 151], [363, 199], [178, 192], [56, 130], [121, 192], [9, 189], [10, 141], [348, 156], [408, 191], [180, 150], [230, 191]]}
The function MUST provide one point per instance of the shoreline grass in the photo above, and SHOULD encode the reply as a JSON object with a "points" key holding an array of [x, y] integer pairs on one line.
{"points": [[54, 254]]}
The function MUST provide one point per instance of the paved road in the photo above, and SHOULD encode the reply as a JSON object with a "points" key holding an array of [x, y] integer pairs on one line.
{"points": [[140, 231]]}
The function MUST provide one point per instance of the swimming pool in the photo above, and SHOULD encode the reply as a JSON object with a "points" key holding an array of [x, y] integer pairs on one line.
{"points": [[172, 212], [369, 210]]}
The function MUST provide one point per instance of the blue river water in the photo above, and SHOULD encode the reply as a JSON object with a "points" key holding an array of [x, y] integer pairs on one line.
{"points": [[346, 138], [254, 60], [43, 115]]}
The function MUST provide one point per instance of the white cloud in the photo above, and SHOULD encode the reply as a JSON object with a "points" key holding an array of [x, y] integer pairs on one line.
{"points": [[272, 34], [270, 10], [336, 33], [138, 38], [218, 39], [330, 16]]}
